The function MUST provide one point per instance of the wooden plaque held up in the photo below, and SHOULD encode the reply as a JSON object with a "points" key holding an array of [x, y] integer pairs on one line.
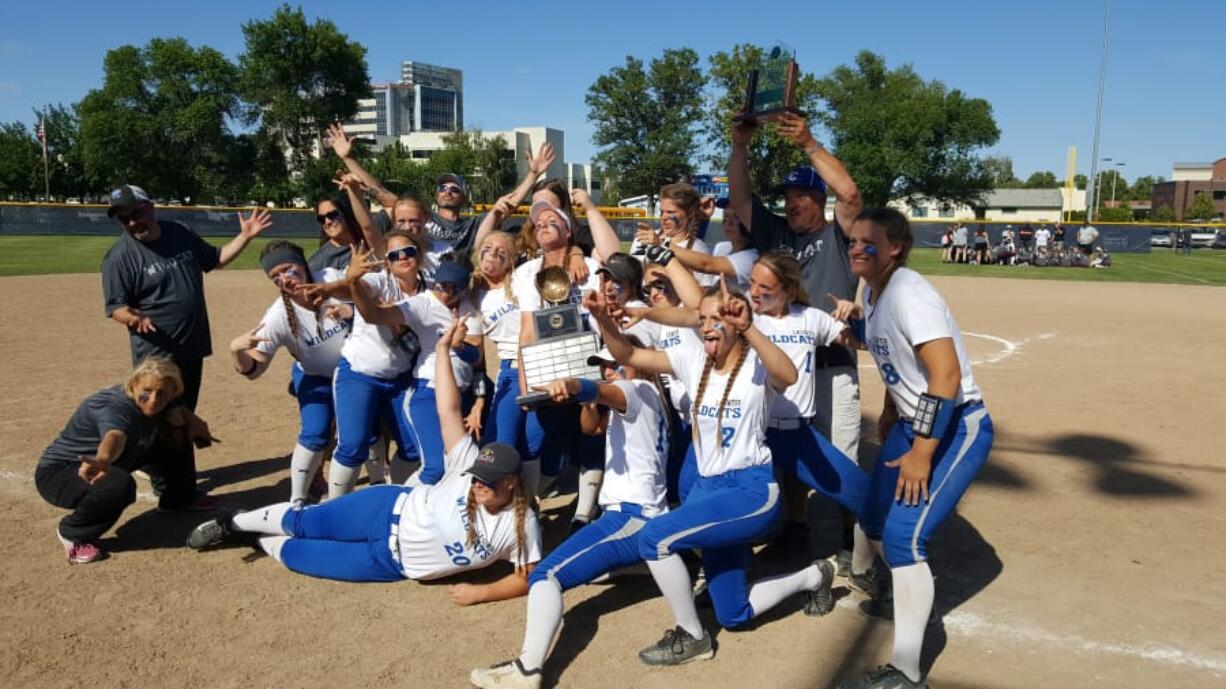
{"points": [[771, 91]]}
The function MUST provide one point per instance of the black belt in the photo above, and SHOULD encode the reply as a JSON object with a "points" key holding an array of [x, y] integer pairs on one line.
{"points": [[833, 357]]}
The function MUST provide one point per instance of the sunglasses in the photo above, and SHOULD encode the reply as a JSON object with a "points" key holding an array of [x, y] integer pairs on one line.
{"points": [[662, 285], [333, 215], [402, 254], [295, 273], [450, 189]]}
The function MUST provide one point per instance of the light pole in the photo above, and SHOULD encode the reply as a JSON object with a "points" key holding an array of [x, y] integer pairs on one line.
{"points": [[1113, 181], [1098, 115], [1098, 183]]}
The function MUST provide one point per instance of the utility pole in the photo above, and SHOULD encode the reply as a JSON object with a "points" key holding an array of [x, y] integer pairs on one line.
{"points": [[1098, 115]]}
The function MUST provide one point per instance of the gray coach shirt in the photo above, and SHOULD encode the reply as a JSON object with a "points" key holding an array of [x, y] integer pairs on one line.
{"points": [[824, 263], [105, 410], [164, 279]]}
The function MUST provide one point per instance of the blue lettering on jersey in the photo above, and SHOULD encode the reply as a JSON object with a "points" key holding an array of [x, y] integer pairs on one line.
{"points": [[732, 410], [673, 340], [316, 340], [482, 548], [492, 318], [880, 346], [793, 338]]}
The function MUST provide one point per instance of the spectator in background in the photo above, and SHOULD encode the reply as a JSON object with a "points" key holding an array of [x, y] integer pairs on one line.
{"points": [[960, 237], [981, 255], [947, 244], [1086, 236], [1025, 237], [1058, 236], [1042, 239]]}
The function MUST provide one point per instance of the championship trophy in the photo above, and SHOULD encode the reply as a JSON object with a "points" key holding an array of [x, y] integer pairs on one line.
{"points": [[771, 91], [562, 347]]}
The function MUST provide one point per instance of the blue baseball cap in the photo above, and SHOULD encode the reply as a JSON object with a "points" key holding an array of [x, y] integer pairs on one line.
{"points": [[451, 273], [803, 177]]}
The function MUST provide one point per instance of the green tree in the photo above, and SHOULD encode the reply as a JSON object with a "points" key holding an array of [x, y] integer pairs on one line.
{"points": [[1080, 181], [160, 118], [1111, 182], [20, 163], [903, 137], [1000, 168], [1122, 214], [1201, 208], [1163, 213], [647, 119], [771, 156], [494, 169], [1043, 179], [300, 77], [1143, 188]]}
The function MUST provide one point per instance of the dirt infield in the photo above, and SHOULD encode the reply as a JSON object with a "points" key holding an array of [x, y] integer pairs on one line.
{"points": [[1089, 553]]}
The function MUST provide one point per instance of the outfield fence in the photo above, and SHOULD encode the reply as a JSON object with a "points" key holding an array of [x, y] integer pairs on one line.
{"points": [[216, 221]]}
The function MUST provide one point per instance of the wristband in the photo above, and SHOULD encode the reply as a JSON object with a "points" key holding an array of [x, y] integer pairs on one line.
{"points": [[857, 329], [468, 353], [932, 416], [587, 391]]}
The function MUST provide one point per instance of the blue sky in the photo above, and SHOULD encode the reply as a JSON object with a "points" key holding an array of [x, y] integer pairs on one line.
{"points": [[529, 63]]}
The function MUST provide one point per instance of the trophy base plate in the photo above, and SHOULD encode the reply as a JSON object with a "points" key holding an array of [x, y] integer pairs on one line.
{"points": [[532, 399], [766, 115]]}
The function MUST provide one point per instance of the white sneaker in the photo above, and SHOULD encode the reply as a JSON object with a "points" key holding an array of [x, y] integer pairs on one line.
{"points": [[508, 675]]}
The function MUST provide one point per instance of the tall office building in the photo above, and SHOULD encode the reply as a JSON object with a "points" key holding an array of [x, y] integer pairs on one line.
{"points": [[438, 103]]}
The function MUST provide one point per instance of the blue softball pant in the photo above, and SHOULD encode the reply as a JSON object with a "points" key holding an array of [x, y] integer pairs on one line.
{"points": [[347, 539], [904, 530], [682, 466], [721, 516], [563, 444], [315, 408], [609, 543], [361, 401], [507, 421], [427, 434], [805, 453]]}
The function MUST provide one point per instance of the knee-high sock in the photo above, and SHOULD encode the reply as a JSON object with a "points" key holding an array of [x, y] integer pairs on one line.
{"points": [[544, 618], [302, 467], [589, 492], [272, 545], [674, 581], [341, 479], [402, 470], [766, 593], [913, 595], [530, 476], [863, 552], [266, 520], [376, 464]]}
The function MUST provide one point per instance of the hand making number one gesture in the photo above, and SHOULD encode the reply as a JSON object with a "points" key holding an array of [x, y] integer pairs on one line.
{"points": [[733, 309]]}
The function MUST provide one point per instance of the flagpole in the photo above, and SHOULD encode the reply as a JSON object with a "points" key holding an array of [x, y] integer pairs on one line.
{"points": [[42, 134]]}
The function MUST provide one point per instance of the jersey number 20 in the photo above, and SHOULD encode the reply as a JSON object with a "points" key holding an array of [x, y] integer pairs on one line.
{"points": [[455, 551]]}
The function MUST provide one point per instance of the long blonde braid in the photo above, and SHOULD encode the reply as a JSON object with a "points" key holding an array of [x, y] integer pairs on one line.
{"points": [[519, 502]]}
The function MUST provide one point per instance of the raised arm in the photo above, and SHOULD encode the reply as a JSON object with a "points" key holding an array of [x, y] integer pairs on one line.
{"points": [[684, 284], [446, 392], [603, 235], [780, 370], [646, 360], [537, 166], [704, 263], [838, 180], [342, 145], [352, 184], [740, 191], [248, 228], [375, 312]]}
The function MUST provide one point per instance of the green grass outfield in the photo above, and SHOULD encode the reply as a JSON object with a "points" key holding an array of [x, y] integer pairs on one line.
{"points": [[33, 255]]}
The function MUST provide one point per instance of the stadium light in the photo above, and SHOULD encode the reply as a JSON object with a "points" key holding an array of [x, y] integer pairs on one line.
{"points": [[1098, 115]]}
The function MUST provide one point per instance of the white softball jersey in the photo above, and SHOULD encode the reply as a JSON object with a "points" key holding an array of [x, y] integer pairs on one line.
{"points": [[375, 350], [671, 337], [798, 334], [523, 285], [742, 261], [317, 345], [429, 318], [647, 331], [433, 527], [738, 439], [500, 321], [636, 450], [909, 313]]}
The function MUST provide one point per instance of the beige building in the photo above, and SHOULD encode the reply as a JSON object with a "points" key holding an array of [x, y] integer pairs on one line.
{"points": [[1006, 205]]}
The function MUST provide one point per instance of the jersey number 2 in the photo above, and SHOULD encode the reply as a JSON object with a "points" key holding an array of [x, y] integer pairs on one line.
{"points": [[725, 436]]}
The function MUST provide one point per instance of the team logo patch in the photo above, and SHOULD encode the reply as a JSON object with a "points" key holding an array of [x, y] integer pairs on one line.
{"points": [[486, 456]]}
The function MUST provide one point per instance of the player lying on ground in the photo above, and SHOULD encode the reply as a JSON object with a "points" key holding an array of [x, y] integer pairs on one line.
{"points": [[632, 492], [937, 433], [116, 431], [732, 381], [478, 514], [313, 337]]}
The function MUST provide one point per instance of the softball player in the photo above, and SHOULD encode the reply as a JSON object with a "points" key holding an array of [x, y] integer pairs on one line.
{"points": [[375, 370], [313, 339], [478, 514], [632, 492], [507, 421], [797, 447], [428, 315], [939, 432], [732, 383]]}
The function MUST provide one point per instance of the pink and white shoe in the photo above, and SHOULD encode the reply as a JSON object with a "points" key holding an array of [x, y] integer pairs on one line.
{"points": [[80, 553]]}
